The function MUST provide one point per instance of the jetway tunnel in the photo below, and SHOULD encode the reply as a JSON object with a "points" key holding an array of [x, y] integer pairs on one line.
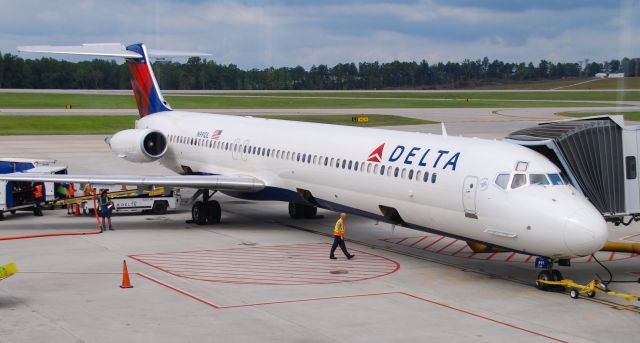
{"points": [[599, 156]]}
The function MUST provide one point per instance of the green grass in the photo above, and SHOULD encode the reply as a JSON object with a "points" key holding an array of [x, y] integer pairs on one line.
{"points": [[622, 83], [473, 96], [291, 100], [628, 115], [345, 119], [64, 125]]}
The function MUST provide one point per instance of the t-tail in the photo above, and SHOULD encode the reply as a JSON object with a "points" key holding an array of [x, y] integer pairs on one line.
{"points": [[144, 83], [145, 86]]}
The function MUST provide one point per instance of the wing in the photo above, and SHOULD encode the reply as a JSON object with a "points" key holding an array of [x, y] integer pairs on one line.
{"points": [[213, 182]]}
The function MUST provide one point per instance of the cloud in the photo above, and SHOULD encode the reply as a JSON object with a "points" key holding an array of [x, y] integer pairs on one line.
{"points": [[258, 34]]}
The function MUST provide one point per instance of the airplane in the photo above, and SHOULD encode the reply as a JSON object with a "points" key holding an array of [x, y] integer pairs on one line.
{"points": [[490, 193]]}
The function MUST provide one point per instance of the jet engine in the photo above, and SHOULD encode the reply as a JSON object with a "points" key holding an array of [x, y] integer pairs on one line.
{"points": [[138, 145]]}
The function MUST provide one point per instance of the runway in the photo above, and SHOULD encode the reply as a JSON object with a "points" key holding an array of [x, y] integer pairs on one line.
{"points": [[261, 276]]}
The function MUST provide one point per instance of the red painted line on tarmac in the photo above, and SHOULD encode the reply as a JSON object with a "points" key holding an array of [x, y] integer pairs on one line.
{"points": [[528, 258], [418, 241], [476, 315], [629, 238], [402, 240], [590, 258], [446, 246], [472, 255], [434, 242], [490, 256], [364, 262], [511, 256], [484, 317], [459, 250], [612, 255], [175, 289]]}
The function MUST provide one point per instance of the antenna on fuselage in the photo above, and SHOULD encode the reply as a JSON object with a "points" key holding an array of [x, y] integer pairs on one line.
{"points": [[444, 130]]}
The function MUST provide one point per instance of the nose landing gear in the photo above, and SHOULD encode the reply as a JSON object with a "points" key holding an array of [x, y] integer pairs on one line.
{"points": [[548, 275]]}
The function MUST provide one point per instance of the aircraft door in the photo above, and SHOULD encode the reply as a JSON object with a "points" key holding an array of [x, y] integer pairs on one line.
{"points": [[469, 191]]}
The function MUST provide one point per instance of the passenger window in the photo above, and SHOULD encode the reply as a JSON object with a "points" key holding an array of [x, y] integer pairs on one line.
{"points": [[538, 179], [382, 170], [411, 174], [368, 167], [332, 160], [304, 157], [395, 172], [355, 166], [502, 180], [404, 173], [518, 181], [326, 161], [315, 159], [433, 177], [389, 170], [418, 174], [426, 177], [344, 163], [298, 158], [337, 163], [350, 165], [268, 152], [375, 169]]}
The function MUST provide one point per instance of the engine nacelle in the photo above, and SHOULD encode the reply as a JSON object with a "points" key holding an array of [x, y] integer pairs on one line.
{"points": [[138, 145]]}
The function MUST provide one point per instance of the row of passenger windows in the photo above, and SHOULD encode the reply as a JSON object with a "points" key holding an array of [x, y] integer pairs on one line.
{"points": [[368, 167]]}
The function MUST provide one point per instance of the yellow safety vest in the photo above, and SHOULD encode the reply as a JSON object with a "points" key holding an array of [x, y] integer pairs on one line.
{"points": [[338, 230]]}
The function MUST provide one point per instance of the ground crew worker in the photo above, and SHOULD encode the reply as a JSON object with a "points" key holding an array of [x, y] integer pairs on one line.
{"points": [[38, 197], [71, 192], [105, 204], [338, 238]]}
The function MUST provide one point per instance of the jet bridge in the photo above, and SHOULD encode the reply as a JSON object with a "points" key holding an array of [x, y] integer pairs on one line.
{"points": [[599, 156]]}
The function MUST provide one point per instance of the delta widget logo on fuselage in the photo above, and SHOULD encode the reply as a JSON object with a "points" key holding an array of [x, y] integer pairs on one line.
{"points": [[421, 157]]}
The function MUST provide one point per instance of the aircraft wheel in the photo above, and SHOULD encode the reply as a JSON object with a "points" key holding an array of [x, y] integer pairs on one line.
{"points": [[557, 276], [295, 210], [574, 293], [214, 212], [199, 213], [310, 211], [544, 275]]}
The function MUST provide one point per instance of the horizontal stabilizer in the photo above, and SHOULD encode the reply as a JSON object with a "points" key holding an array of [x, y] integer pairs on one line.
{"points": [[106, 50]]}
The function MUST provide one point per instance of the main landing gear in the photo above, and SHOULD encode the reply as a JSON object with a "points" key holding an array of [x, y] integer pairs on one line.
{"points": [[206, 211], [299, 211]]}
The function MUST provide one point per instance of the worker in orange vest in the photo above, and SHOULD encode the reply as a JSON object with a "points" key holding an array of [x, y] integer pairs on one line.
{"points": [[38, 197], [338, 238], [71, 192]]}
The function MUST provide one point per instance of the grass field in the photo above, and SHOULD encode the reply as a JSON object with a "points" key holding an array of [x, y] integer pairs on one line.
{"points": [[622, 83], [628, 115], [291, 100], [346, 119], [64, 125], [93, 125], [573, 84]]}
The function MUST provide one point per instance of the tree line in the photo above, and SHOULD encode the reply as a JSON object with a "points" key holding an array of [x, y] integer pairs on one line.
{"points": [[202, 74]]}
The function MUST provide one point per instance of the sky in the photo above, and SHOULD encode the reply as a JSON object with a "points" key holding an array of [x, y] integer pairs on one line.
{"points": [[260, 34]]}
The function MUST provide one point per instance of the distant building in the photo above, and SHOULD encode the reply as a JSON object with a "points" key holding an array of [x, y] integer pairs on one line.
{"points": [[609, 75]]}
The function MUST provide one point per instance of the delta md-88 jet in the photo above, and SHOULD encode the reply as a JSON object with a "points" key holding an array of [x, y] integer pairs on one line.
{"points": [[492, 194]]}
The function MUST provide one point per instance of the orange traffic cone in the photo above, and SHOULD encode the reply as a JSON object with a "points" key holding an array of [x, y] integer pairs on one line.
{"points": [[77, 211], [126, 283]]}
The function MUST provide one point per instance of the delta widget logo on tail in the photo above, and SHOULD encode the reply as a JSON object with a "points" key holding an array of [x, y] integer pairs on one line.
{"points": [[423, 157]]}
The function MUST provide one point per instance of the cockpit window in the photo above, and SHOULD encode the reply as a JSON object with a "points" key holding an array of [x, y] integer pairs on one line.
{"points": [[538, 179], [556, 179], [518, 181], [502, 180]]}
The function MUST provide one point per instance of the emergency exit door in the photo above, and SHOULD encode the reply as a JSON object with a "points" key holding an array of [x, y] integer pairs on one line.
{"points": [[469, 196]]}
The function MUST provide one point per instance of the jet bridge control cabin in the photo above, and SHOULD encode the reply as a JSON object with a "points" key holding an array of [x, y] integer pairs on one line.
{"points": [[599, 156]]}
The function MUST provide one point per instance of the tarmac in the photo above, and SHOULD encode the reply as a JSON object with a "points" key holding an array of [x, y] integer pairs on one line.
{"points": [[261, 276]]}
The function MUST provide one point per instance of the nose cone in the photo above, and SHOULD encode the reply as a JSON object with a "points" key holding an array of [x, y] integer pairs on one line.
{"points": [[585, 232]]}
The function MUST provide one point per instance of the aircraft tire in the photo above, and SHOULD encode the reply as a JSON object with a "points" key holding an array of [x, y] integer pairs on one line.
{"points": [[214, 212], [546, 276], [199, 213], [296, 211], [309, 211]]}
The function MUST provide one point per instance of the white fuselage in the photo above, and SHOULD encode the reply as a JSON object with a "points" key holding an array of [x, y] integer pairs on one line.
{"points": [[459, 198]]}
